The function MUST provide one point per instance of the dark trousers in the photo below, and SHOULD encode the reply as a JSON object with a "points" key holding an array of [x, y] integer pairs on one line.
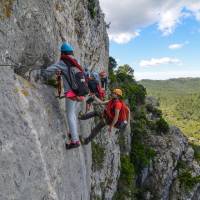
{"points": [[104, 83], [97, 128]]}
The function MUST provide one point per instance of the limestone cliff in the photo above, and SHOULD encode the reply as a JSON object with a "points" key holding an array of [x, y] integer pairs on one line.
{"points": [[34, 164]]}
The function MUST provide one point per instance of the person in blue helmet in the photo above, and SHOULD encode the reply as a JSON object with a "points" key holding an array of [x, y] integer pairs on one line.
{"points": [[71, 99]]}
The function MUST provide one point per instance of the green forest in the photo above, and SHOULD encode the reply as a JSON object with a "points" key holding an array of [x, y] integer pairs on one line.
{"points": [[179, 101]]}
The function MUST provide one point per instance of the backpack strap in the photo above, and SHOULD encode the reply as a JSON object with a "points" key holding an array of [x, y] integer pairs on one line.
{"points": [[71, 61]]}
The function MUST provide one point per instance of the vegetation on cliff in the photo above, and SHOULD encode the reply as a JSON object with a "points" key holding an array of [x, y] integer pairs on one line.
{"points": [[141, 154]]}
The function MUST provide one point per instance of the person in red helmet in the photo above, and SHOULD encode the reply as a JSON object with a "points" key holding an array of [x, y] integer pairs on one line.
{"points": [[104, 79]]}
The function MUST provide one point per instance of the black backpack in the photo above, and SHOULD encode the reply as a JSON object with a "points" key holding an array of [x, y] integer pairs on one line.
{"points": [[76, 79]]}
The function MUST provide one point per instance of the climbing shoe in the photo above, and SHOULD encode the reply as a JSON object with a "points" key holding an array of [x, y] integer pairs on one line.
{"points": [[83, 140], [72, 145], [80, 115], [69, 135]]}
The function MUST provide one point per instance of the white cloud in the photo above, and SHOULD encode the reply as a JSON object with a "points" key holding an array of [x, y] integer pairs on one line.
{"points": [[159, 61], [169, 20], [178, 45], [194, 7], [175, 46], [165, 75], [123, 38], [128, 16]]}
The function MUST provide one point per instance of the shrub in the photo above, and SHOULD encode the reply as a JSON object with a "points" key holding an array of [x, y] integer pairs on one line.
{"points": [[187, 180], [92, 8], [196, 151], [98, 154], [153, 110], [162, 126], [125, 187], [141, 154]]}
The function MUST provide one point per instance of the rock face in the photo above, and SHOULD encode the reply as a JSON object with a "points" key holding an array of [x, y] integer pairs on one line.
{"points": [[173, 173], [34, 163], [31, 30]]}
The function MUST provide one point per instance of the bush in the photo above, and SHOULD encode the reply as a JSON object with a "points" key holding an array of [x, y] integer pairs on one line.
{"points": [[92, 8], [125, 187], [196, 151], [141, 154], [98, 154], [185, 177], [162, 126], [187, 180], [155, 111]]}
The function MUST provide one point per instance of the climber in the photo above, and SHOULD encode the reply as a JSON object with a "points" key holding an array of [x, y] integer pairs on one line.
{"points": [[86, 74], [63, 65], [104, 79], [96, 76], [116, 114], [95, 89]]}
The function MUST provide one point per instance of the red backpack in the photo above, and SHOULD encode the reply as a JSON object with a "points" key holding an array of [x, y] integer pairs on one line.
{"points": [[110, 111]]}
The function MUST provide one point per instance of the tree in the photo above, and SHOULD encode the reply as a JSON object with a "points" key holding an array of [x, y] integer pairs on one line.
{"points": [[125, 74], [126, 69], [112, 63]]}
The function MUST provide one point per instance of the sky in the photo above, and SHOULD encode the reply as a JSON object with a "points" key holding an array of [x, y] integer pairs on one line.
{"points": [[159, 39]]}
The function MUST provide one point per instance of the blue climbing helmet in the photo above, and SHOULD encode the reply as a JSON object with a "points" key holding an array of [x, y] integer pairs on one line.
{"points": [[65, 47], [95, 75]]}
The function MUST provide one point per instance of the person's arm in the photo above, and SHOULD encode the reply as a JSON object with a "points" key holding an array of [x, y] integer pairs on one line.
{"points": [[50, 71], [115, 119], [99, 101], [129, 116]]}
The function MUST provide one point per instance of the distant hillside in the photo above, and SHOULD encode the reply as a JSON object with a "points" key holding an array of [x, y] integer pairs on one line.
{"points": [[180, 102]]}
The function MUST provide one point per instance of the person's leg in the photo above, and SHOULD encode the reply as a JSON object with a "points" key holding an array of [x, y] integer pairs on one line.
{"points": [[90, 100], [88, 115], [95, 131], [71, 118], [106, 83], [102, 83]]}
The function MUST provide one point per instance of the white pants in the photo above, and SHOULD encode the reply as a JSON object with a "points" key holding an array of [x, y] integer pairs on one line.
{"points": [[71, 118]]}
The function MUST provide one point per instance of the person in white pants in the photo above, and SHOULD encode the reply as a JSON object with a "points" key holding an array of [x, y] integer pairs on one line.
{"points": [[71, 99]]}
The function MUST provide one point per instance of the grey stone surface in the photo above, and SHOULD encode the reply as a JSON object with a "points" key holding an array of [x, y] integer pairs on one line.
{"points": [[35, 29], [34, 164], [161, 176]]}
